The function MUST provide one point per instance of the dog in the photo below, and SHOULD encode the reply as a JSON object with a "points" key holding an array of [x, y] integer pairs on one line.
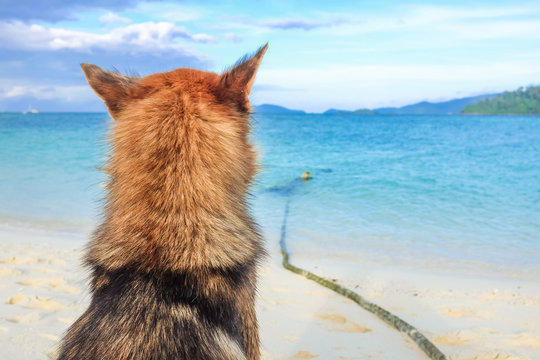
{"points": [[173, 264]]}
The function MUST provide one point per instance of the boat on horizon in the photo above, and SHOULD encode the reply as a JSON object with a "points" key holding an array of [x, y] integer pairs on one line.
{"points": [[30, 110]]}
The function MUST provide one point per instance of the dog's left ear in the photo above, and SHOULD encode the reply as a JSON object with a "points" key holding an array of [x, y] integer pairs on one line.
{"points": [[239, 80]]}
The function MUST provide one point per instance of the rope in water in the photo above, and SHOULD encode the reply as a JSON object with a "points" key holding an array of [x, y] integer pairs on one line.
{"points": [[399, 324]]}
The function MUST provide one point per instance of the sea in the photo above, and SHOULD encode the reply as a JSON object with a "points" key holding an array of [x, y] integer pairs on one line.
{"points": [[403, 189]]}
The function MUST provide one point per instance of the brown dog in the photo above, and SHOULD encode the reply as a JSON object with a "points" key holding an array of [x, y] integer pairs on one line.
{"points": [[174, 262]]}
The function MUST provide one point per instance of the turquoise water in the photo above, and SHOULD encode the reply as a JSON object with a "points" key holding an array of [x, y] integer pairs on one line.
{"points": [[449, 187]]}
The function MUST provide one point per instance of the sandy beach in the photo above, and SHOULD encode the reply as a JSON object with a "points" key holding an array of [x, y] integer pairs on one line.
{"points": [[43, 290]]}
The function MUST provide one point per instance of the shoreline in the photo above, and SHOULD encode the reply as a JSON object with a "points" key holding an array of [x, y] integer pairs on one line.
{"points": [[467, 316], [373, 255]]}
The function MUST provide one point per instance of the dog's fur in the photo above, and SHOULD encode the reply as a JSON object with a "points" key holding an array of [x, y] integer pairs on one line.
{"points": [[173, 263]]}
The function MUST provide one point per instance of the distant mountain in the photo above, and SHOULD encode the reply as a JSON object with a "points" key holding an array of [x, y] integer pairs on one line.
{"points": [[348, 112], [336, 112], [275, 109], [452, 107], [519, 102]]}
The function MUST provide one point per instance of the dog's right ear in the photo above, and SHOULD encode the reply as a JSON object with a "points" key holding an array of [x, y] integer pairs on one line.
{"points": [[112, 88], [239, 80]]}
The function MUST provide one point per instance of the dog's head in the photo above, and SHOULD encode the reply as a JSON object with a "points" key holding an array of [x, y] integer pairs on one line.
{"points": [[184, 130]]}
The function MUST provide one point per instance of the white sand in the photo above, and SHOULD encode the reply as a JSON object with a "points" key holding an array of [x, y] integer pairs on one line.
{"points": [[43, 290], [480, 315]]}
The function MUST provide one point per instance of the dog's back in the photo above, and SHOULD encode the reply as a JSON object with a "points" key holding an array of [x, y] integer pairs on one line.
{"points": [[174, 261]]}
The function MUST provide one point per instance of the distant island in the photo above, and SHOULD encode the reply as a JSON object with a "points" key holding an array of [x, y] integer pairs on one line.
{"points": [[523, 101], [451, 107], [346, 112], [275, 109]]}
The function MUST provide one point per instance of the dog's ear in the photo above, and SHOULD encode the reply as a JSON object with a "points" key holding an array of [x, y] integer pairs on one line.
{"points": [[112, 88], [239, 79]]}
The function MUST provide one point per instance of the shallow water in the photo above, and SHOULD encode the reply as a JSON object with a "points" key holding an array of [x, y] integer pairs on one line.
{"points": [[399, 187]]}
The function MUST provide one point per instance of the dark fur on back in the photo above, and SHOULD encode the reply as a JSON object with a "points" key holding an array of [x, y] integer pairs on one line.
{"points": [[174, 262]]}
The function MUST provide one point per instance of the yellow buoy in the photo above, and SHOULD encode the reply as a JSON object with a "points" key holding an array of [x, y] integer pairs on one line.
{"points": [[306, 176]]}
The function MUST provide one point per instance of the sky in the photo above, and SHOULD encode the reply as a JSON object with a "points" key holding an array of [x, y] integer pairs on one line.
{"points": [[322, 54]]}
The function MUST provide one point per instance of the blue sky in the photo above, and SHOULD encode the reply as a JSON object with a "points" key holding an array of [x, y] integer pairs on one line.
{"points": [[322, 54]]}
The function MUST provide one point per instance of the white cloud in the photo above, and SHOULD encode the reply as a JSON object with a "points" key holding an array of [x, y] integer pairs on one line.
{"points": [[170, 11], [135, 38], [72, 93], [288, 24], [204, 38], [494, 30], [15, 91], [112, 18], [441, 25], [258, 26], [233, 37], [457, 22]]}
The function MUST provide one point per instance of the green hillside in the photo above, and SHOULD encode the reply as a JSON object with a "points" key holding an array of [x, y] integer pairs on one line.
{"points": [[519, 102]]}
